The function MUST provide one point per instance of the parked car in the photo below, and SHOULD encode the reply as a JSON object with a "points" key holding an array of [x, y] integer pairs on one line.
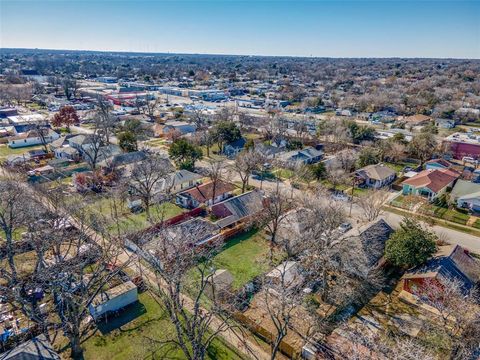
{"points": [[339, 196], [343, 228]]}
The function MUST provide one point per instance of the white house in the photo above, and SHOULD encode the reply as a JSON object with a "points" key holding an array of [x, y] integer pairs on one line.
{"points": [[32, 138]]}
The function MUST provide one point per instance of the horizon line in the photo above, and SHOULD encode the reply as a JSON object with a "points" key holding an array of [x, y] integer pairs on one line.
{"points": [[240, 55]]}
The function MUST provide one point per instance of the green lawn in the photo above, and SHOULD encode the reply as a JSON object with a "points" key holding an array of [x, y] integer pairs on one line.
{"points": [[159, 212], [214, 150], [359, 192], [398, 166], [476, 224], [329, 185], [5, 151], [445, 214], [245, 257], [283, 173], [129, 222], [127, 336], [156, 143]]}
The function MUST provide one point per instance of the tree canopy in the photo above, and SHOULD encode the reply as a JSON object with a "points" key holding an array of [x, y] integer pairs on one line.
{"points": [[66, 116], [184, 154], [411, 245]]}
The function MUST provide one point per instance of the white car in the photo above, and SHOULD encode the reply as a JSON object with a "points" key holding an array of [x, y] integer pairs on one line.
{"points": [[343, 228]]}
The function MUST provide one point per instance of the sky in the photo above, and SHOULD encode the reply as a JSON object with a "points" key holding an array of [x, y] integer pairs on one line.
{"points": [[381, 28]]}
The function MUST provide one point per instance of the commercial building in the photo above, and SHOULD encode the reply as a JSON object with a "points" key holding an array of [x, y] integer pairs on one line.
{"points": [[464, 144]]}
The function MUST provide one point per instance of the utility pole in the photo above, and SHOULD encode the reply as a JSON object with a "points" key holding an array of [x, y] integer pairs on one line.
{"points": [[351, 200]]}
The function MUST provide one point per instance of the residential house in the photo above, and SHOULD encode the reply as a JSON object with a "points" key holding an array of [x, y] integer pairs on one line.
{"points": [[62, 149], [124, 159], [309, 155], [238, 208], [269, 151], [466, 195], [33, 137], [450, 263], [438, 164], [445, 123], [430, 183], [173, 183], [104, 154], [376, 176], [181, 180], [38, 348], [292, 229], [204, 194], [190, 233], [7, 112], [24, 123], [371, 239], [179, 127], [82, 142], [232, 149], [114, 299], [383, 116]]}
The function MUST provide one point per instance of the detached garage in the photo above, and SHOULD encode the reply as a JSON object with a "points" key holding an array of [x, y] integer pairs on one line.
{"points": [[113, 300]]}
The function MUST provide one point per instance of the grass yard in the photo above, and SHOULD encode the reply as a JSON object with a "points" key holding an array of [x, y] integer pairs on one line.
{"points": [[214, 150], [329, 185], [126, 336], [445, 214], [476, 224], [156, 143], [25, 263], [359, 191], [129, 222], [283, 173], [5, 151], [245, 256], [252, 136], [398, 166], [136, 222]]}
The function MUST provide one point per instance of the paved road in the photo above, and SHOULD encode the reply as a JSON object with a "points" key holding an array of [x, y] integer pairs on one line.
{"points": [[463, 239]]}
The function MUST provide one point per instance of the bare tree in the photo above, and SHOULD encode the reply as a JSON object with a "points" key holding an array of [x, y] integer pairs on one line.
{"points": [[147, 106], [458, 314], [172, 287], [372, 203], [245, 163], [346, 160], [342, 265], [215, 172], [43, 132], [63, 269], [13, 214], [281, 297], [70, 87], [103, 120], [147, 177], [273, 214], [336, 176], [91, 150]]}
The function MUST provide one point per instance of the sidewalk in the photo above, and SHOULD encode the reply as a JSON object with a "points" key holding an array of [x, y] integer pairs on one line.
{"points": [[437, 221]]}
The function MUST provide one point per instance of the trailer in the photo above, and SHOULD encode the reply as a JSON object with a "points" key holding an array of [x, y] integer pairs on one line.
{"points": [[113, 300]]}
